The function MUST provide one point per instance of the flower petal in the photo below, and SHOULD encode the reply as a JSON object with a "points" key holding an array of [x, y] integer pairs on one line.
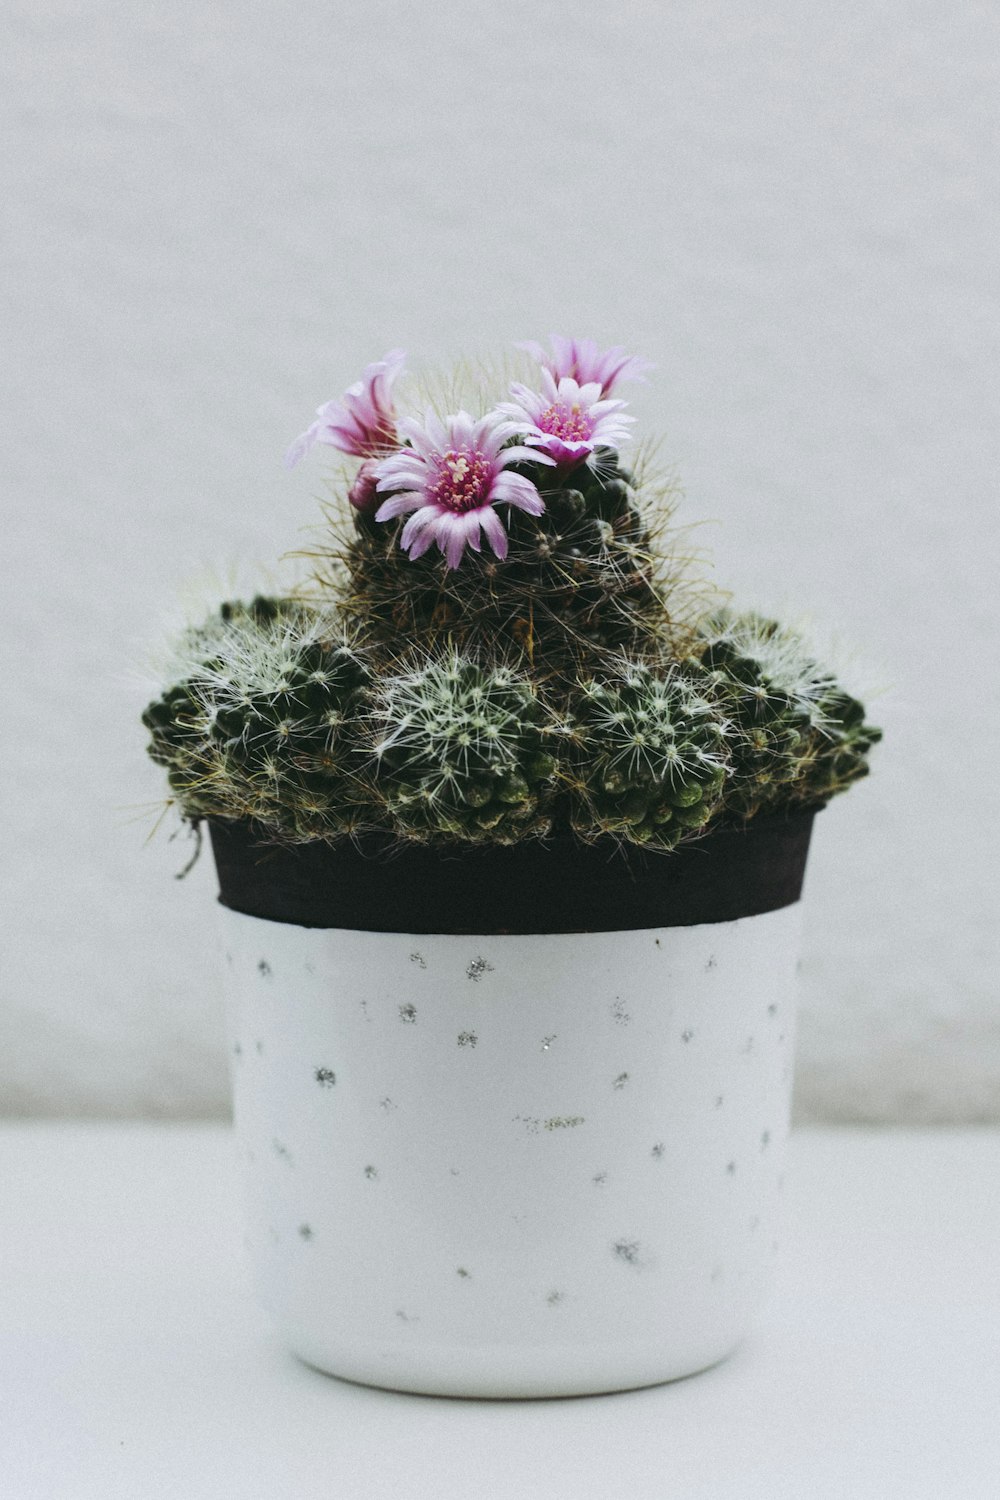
{"points": [[523, 455], [515, 489], [451, 538], [426, 517], [585, 362], [422, 542], [494, 531], [437, 437], [301, 446], [460, 430], [399, 505], [473, 521]]}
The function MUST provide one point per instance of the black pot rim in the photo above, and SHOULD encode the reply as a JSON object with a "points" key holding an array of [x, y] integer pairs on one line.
{"points": [[377, 884]]}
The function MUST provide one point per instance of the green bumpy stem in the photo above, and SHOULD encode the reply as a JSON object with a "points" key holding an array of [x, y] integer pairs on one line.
{"points": [[259, 727], [462, 752], [651, 757]]}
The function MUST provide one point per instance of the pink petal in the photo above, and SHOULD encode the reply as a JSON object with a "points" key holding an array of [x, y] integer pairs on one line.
{"points": [[599, 408], [515, 489], [436, 435], [523, 455], [301, 446], [451, 539], [387, 368], [347, 439], [401, 469], [494, 531], [422, 542], [565, 452], [526, 410], [399, 505], [473, 521], [422, 443], [589, 393], [490, 433], [565, 351], [610, 431], [460, 430], [424, 519], [584, 361]]}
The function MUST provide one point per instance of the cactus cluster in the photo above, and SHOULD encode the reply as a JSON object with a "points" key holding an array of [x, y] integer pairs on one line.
{"points": [[259, 723], [503, 639], [462, 751], [798, 738], [652, 757]]}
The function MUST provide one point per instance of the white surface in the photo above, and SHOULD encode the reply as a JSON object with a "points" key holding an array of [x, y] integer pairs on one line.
{"points": [[216, 214], [490, 1166], [135, 1366]]}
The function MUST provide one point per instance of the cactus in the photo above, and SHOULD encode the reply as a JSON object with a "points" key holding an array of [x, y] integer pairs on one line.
{"points": [[800, 737], [837, 751], [506, 641], [590, 577], [256, 725], [595, 572], [652, 752], [463, 751]]}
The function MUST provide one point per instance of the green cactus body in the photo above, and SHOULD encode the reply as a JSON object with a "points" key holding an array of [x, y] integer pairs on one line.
{"points": [[837, 751], [501, 655], [800, 738], [463, 751], [256, 727], [578, 582], [651, 754]]}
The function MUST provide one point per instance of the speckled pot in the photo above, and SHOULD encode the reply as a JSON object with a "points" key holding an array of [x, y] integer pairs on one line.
{"points": [[513, 1164]]}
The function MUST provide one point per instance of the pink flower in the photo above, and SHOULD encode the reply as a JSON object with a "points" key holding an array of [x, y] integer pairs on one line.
{"points": [[582, 361], [450, 479], [568, 421], [363, 423]]}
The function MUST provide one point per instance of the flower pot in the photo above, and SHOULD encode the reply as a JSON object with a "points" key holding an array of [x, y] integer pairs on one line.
{"points": [[514, 1118]]}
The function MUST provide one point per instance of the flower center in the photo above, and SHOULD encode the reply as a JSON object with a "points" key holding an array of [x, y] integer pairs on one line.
{"points": [[463, 479], [569, 422]]}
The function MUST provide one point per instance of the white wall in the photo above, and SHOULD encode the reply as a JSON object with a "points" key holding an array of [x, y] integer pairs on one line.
{"points": [[220, 213]]}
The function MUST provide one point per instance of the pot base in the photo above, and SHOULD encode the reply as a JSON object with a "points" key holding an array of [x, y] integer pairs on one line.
{"points": [[504, 1374]]}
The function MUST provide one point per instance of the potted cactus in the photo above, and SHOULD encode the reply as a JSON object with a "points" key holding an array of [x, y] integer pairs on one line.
{"points": [[510, 820]]}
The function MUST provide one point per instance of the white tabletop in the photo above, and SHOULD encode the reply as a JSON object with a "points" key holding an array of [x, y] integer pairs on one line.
{"points": [[135, 1364]]}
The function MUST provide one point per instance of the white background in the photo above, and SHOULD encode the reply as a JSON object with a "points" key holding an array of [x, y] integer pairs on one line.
{"points": [[218, 214]]}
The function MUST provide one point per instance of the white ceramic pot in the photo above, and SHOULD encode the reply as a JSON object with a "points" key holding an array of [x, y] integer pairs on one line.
{"points": [[513, 1165]]}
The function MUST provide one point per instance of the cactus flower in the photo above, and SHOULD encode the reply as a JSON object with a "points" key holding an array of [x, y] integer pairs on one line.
{"points": [[566, 420], [450, 478], [363, 493], [582, 361], [363, 422]]}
